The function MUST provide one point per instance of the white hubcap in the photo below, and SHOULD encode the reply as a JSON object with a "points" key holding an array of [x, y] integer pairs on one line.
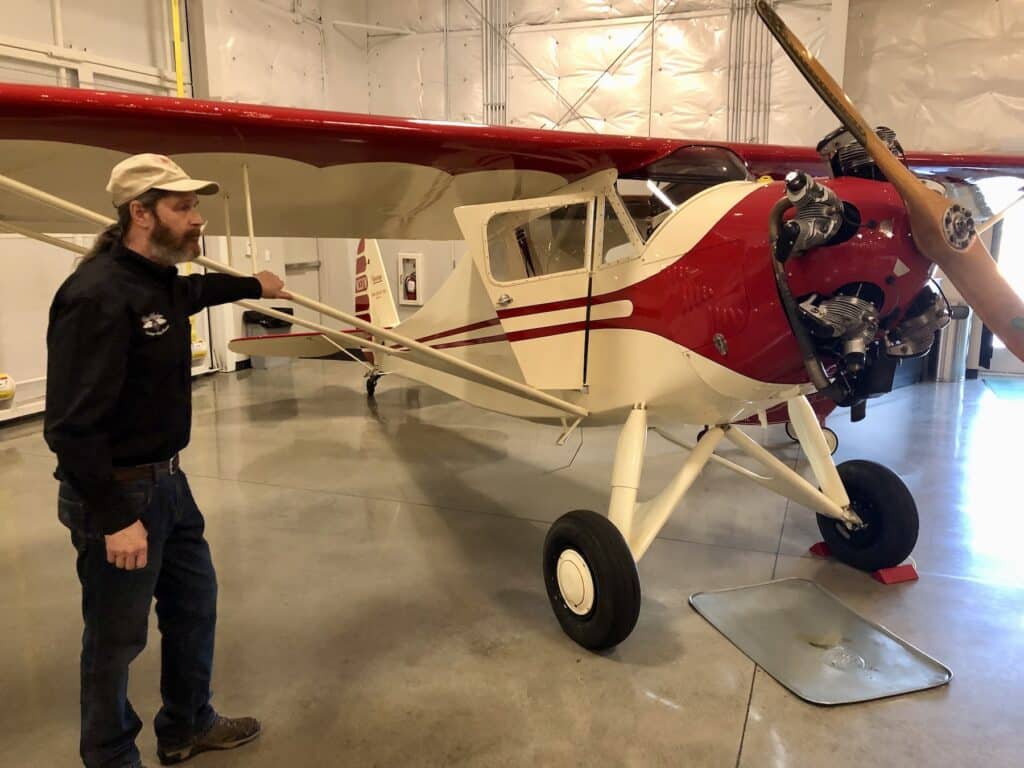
{"points": [[575, 582]]}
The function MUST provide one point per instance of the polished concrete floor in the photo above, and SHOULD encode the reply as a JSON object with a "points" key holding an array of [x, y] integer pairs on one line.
{"points": [[382, 605]]}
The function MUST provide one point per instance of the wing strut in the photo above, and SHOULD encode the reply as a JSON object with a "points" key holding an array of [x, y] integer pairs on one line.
{"points": [[407, 348]]}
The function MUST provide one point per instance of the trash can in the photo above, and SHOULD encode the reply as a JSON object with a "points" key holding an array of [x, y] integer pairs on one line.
{"points": [[259, 324], [949, 354]]}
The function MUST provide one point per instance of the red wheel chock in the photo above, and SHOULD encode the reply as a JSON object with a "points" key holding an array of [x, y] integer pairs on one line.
{"points": [[898, 574]]}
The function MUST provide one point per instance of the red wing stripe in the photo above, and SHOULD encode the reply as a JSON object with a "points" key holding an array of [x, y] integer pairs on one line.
{"points": [[531, 333], [537, 309], [519, 312], [470, 342], [456, 331], [551, 330], [554, 306]]}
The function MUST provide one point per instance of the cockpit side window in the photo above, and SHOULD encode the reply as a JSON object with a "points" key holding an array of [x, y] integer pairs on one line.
{"points": [[616, 243], [524, 244], [651, 192]]}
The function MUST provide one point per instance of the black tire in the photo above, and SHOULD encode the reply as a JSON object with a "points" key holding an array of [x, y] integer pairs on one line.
{"points": [[884, 503], [371, 385], [790, 433], [616, 604]]}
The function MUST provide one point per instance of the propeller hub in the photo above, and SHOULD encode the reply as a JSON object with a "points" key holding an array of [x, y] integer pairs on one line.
{"points": [[958, 224]]}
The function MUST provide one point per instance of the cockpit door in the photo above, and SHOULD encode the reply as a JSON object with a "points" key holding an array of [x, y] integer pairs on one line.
{"points": [[535, 259]]}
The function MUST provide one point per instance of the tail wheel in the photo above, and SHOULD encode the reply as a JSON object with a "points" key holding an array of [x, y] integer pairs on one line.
{"points": [[591, 579], [888, 512], [371, 384], [831, 438]]}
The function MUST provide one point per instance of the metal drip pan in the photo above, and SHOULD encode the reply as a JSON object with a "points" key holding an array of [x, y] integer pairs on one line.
{"points": [[810, 642]]}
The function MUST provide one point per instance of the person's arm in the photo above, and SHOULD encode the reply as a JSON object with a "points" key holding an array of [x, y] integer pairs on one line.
{"points": [[87, 344], [213, 289]]}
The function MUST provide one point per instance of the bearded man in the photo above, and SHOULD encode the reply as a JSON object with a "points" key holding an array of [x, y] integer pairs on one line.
{"points": [[118, 412]]}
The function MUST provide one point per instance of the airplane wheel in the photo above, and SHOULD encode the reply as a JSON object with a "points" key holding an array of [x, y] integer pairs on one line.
{"points": [[884, 503], [591, 579], [831, 438]]}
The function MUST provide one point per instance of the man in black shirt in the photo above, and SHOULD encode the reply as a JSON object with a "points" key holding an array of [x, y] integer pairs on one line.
{"points": [[118, 411]]}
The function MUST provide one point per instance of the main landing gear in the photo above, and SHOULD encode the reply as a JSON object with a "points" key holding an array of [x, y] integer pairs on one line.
{"points": [[865, 514]]}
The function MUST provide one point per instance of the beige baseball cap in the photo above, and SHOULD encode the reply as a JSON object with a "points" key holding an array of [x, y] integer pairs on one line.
{"points": [[141, 173]]}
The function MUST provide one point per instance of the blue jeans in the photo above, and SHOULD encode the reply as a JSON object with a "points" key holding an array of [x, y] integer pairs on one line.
{"points": [[115, 607]]}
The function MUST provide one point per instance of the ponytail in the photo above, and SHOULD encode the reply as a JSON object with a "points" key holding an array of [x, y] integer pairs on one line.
{"points": [[114, 234], [105, 241]]}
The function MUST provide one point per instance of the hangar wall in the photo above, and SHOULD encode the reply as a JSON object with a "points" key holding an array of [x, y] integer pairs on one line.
{"points": [[80, 43], [945, 76], [950, 81], [697, 68], [642, 67]]}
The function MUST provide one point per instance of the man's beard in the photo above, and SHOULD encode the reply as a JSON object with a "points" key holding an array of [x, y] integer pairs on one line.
{"points": [[168, 249]]}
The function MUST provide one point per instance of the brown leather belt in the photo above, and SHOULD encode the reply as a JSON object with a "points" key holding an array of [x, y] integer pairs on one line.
{"points": [[147, 471]]}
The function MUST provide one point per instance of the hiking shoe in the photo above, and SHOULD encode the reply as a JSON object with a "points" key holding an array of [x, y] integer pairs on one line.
{"points": [[225, 733]]}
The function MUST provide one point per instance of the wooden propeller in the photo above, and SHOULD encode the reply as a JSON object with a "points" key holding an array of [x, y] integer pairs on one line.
{"points": [[943, 232]]}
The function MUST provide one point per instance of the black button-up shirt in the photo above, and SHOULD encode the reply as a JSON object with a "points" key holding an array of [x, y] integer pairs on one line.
{"points": [[118, 383]]}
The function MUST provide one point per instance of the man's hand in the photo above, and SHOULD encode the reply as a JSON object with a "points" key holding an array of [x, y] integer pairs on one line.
{"points": [[272, 285], [128, 547]]}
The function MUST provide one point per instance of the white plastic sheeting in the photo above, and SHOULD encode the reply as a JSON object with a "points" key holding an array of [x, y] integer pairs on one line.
{"points": [[566, 11], [798, 116], [346, 76], [570, 60], [587, 65], [691, 77], [945, 76]]}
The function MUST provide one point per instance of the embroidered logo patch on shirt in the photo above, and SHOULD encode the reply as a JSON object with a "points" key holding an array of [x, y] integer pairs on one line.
{"points": [[155, 324]]}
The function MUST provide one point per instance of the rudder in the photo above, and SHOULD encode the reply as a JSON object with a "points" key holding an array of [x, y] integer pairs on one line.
{"points": [[374, 301]]}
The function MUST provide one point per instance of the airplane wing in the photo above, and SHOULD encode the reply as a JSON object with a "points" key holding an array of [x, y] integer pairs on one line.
{"points": [[331, 174]]}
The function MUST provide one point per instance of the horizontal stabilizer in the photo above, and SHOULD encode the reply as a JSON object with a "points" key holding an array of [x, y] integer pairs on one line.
{"points": [[285, 345]]}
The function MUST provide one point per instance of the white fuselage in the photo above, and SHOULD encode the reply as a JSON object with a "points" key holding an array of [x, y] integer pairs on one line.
{"points": [[543, 347]]}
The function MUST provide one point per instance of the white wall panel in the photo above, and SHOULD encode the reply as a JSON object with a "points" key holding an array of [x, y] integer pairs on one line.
{"points": [[123, 45], [131, 32], [798, 116], [407, 75], [465, 72], [258, 53], [562, 11], [691, 77], [413, 15], [461, 17], [34, 272], [27, 24], [347, 72], [124, 85], [946, 77], [571, 61], [678, 87], [27, 72]]}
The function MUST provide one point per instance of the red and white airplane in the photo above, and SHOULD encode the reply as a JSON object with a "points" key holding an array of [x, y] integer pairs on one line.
{"points": [[749, 279]]}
